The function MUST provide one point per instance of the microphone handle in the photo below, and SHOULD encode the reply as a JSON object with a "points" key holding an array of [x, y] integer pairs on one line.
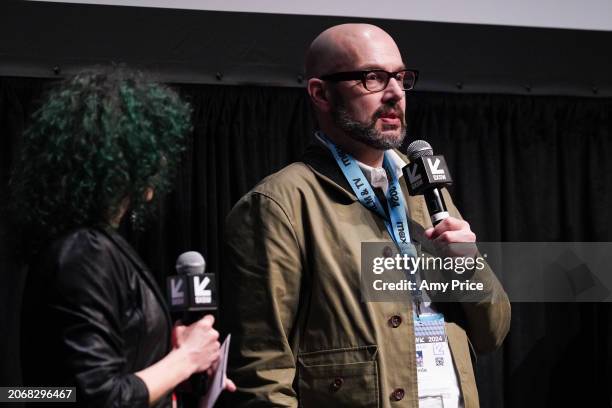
{"points": [[190, 317], [190, 391], [435, 205]]}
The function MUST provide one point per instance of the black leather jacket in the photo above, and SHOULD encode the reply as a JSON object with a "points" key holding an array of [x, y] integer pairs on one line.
{"points": [[92, 317]]}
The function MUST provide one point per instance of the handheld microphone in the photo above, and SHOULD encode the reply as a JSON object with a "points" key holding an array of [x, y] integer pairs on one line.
{"points": [[192, 291], [426, 174]]}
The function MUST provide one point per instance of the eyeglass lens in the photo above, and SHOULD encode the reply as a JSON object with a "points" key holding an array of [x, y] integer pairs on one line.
{"points": [[378, 80]]}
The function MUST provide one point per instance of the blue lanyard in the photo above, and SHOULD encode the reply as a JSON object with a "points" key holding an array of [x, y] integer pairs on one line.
{"points": [[397, 221]]}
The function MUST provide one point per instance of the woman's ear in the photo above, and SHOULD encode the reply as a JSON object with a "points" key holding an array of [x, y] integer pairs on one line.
{"points": [[149, 194]]}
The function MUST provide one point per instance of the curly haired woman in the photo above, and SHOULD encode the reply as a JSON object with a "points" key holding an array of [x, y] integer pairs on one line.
{"points": [[102, 145]]}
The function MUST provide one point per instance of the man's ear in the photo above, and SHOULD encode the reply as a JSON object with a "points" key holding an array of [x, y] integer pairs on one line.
{"points": [[318, 94]]}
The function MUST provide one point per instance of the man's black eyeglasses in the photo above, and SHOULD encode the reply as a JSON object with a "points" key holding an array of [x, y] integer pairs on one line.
{"points": [[376, 79]]}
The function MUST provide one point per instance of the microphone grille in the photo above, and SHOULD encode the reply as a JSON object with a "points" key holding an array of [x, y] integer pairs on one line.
{"points": [[191, 263], [418, 148]]}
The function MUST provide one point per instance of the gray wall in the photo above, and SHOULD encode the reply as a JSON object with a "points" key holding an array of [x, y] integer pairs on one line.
{"points": [[267, 49]]}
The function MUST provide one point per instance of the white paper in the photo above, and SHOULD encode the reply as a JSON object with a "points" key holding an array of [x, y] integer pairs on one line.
{"points": [[215, 386]]}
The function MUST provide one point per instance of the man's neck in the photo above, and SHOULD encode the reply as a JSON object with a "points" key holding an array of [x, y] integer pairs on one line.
{"points": [[360, 151]]}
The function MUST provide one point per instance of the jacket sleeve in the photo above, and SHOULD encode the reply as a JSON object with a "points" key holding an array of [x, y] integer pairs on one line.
{"points": [[86, 306], [261, 291], [487, 320]]}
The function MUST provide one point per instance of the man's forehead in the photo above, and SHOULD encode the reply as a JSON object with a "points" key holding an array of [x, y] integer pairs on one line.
{"points": [[368, 50], [350, 47], [367, 58], [391, 66]]}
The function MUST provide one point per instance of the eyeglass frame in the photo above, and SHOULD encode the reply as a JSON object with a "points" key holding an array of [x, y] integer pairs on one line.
{"points": [[361, 75]]}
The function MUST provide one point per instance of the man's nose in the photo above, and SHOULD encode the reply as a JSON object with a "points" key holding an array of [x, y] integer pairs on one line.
{"points": [[393, 91]]}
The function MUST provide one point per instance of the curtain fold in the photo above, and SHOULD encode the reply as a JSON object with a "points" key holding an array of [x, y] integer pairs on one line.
{"points": [[525, 168]]}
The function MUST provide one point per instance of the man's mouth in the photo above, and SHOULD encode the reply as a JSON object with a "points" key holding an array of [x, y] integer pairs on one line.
{"points": [[389, 118]]}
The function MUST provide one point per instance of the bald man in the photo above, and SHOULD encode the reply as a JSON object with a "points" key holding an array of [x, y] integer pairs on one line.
{"points": [[302, 335]]}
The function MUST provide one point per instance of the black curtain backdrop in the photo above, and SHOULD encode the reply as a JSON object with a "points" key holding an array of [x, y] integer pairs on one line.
{"points": [[525, 169]]}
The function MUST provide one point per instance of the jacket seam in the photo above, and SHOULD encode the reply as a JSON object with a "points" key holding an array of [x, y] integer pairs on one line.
{"points": [[366, 347], [272, 199]]}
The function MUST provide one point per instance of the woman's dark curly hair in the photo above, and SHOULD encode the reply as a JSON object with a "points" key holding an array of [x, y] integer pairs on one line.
{"points": [[99, 138]]}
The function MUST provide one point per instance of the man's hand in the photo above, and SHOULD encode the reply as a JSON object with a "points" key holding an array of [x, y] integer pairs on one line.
{"points": [[453, 231]]}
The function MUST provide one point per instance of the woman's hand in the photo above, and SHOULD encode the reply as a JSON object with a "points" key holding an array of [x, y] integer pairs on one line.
{"points": [[227, 383], [200, 341]]}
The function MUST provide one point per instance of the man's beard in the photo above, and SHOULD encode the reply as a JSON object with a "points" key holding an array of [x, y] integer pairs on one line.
{"points": [[367, 133]]}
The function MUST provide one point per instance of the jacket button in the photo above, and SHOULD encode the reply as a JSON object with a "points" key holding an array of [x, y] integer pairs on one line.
{"points": [[397, 394], [395, 321], [336, 384]]}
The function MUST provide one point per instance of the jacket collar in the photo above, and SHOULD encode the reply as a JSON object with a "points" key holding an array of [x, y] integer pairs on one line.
{"points": [[322, 163], [142, 269], [320, 160]]}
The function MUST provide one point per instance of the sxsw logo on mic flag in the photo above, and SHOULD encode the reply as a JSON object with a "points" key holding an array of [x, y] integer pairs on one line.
{"points": [[426, 172], [192, 292], [415, 180], [436, 167], [202, 295], [202, 291], [177, 290]]}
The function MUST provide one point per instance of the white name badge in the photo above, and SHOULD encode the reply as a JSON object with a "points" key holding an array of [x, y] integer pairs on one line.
{"points": [[437, 380]]}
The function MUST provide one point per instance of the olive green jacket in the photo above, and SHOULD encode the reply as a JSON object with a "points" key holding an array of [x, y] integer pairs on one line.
{"points": [[301, 336]]}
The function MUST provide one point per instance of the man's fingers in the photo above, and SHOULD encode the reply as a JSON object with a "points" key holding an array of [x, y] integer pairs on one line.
{"points": [[449, 237], [446, 225], [429, 232], [451, 224], [457, 243], [456, 232]]}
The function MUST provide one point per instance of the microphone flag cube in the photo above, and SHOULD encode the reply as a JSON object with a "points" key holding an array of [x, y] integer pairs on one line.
{"points": [[426, 172]]}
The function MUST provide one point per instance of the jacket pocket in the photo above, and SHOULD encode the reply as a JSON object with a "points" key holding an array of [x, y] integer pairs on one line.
{"points": [[339, 378]]}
